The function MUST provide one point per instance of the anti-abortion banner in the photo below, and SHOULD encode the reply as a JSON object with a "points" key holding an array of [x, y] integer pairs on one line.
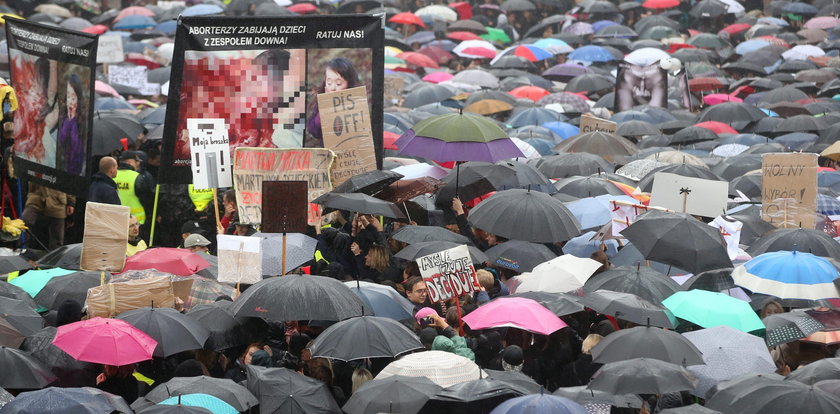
{"points": [[53, 71], [263, 75], [789, 189], [252, 166], [640, 85], [345, 126], [448, 273]]}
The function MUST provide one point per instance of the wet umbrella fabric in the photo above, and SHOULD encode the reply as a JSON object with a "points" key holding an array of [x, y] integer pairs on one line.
{"points": [[778, 396], [824, 369], [803, 240], [641, 281], [642, 376], [226, 330], [396, 393], [20, 315], [66, 401], [442, 368], [647, 342], [73, 286], [70, 371], [29, 373], [285, 391], [175, 409], [66, 257], [548, 220], [360, 203], [418, 250], [560, 304], [539, 404], [519, 256], [368, 183], [789, 275], [788, 327], [365, 337], [173, 331], [582, 395], [224, 389], [629, 307], [521, 313], [383, 300], [709, 309]]}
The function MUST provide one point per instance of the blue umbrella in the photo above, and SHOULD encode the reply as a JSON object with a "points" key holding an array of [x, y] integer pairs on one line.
{"points": [[116, 33], [543, 146], [800, 8], [828, 179], [584, 246], [600, 24], [539, 404], [564, 130], [135, 21], [534, 116], [383, 300], [202, 10], [827, 205], [750, 46], [137, 47], [167, 27], [215, 405], [112, 104], [594, 212], [788, 275], [769, 112], [796, 140], [592, 53]]}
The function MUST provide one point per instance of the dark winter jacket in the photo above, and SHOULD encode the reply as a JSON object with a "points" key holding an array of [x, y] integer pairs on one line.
{"points": [[103, 189]]}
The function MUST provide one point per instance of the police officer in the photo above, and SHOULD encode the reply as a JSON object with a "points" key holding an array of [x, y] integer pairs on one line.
{"points": [[135, 189]]}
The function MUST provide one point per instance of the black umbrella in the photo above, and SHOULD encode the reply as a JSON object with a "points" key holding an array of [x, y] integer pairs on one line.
{"points": [[222, 388], [368, 183], [28, 372], [419, 234], [175, 409], [803, 240], [360, 203], [733, 167], [69, 371], [476, 396], [9, 335], [729, 112], [516, 379], [513, 62], [519, 256], [560, 304], [9, 264], [589, 186], [226, 330], [777, 396], [173, 331], [5, 397], [636, 128], [589, 82], [281, 390], [649, 376], [473, 179], [527, 177], [640, 281], [824, 369], [525, 215], [690, 409], [583, 395], [57, 400], [20, 315], [647, 342], [365, 337], [109, 129], [788, 327], [749, 184], [629, 307], [678, 239], [754, 226], [534, 116], [692, 134], [296, 297], [396, 394], [570, 164], [426, 95], [417, 250], [685, 170], [159, 75], [800, 123], [73, 286], [730, 390], [712, 280], [8, 290]]}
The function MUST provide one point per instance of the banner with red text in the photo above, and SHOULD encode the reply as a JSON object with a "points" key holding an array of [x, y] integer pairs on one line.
{"points": [[448, 273]]}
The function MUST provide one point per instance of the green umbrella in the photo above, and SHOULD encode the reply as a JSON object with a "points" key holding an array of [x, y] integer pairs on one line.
{"points": [[461, 127], [708, 41], [658, 33], [34, 280], [709, 309], [394, 60], [496, 35]]}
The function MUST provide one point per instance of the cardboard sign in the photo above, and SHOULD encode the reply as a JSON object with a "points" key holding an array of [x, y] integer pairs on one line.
{"points": [[345, 125], [690, 195], [590, 123], [252, 166], [284, 206], [110, 50], [133, 76], [393, 90], [789, 189], [448, 273], [210, 149], [240, 259], [105, 238]]}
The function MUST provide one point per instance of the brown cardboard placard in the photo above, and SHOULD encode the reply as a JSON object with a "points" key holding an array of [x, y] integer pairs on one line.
{"points": [[590, 123], [105, 238], [284, 207], [789, 189], [345, 125], [393, 90]]}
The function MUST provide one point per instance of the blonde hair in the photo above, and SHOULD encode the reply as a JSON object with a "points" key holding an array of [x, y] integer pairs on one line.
{"points": [[486, 279], [590, 342], [380, 260], [359, 378]]}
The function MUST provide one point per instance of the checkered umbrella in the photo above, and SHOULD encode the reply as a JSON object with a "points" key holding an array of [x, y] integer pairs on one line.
{"points": [[828, 205], [788, 327]]}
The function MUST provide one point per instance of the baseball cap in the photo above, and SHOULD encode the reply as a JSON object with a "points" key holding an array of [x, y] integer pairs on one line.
{"points": [[129, 155], [196, 240], [191, 227]]}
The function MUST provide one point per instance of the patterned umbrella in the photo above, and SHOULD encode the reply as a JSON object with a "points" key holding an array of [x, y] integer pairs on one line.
{"points": [[442, 368], [788, 327]]}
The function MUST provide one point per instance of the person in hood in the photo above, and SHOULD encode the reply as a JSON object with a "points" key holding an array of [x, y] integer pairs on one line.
{"points": [[103, 188]]}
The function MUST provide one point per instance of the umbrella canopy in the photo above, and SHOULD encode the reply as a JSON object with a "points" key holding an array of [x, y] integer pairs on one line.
{"points": [[359, 203], [365, 337], [368, 183], [788, 327], [33, 281], [396, 393], [56, 400], [66, 257], [629, 307], [418, 234], [296, 297], [418, 250], [642, 376], [175, 409], [211, 403], [643, 282], [789, 275], [585, 187], [72, 286], [442, 368], [607, 145], [563, 274], [226, 330], [173, 331], [545, 219], [560, 303], [539, 404], [283, 390], [29, 373], [20, 315], [382, 300], [775, 396], [803, 240], [647, 342], [710, 309], [519, 256], [224, 389], [678, 239], [458, 137], [105, 341], [179, 262], [521, 313], [824, 369], [478, 395], [727, 353]]}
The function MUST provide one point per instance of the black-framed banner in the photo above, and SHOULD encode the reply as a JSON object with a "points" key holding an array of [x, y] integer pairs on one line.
{"points": [[53, 72], [255, 81]]}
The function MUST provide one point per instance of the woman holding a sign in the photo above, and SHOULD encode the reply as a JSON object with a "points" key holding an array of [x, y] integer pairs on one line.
{"points": [[340, 75]]}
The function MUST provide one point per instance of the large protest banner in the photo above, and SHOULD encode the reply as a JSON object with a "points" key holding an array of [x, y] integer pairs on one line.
{"points": [[448, 273], [640, 85], [789, 189], [262, 76], [52, 70], [252, 166], [346, 130]]}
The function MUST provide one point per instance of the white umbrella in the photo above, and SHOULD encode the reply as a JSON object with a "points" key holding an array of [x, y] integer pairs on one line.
{"points": [[729, 150], [677, 157], [733, 7], [438, 12], [459, 49], [645, 56], [527, 150], [476, 77], [442, 368], [421, 170], [562, 274], [638, 169], [803, 52]]}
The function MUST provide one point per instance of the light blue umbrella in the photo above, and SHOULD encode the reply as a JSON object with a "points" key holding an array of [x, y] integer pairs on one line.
{"points": [[135, 21], [215, 405], [788, 275], [34, 280], [591, 53], [563, 129], [594, 212], [539, 404], [202, 10], [750, 46], [583, 246]]}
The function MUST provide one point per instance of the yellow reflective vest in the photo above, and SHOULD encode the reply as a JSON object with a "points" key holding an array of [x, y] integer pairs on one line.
{"points": [[125, 187]]}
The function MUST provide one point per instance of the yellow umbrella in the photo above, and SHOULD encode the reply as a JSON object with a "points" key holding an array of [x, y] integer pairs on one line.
{"points": [[488, 107], [392, 51], [3, 17], [832, 152]]}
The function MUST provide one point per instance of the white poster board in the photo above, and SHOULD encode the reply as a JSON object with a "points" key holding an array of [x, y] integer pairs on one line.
{"points": [[695, 196], [110, 49], [240, 259], [210, 152], [133, 76], [448, 273]]}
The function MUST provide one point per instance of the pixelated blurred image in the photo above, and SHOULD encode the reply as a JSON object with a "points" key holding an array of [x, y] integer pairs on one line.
{"points": [[262, 94]]}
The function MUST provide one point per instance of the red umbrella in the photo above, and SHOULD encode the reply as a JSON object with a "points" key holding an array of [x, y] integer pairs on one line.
{"points": [[463, 8], [418, 59], [533, 93], [439, 54], [179, 262], [736, 28], [705, 84], [775, 41], [479, 51], [96, 29], [105, 341], [388, 140], [660, 4], [677, 46], [463, 36], [142, 60], [717, 127], [302, 8], [407, 18], [134, 11]]}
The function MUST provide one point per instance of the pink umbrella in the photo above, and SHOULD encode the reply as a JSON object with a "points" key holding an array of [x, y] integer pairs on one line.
{"points": [[181, 262], [105, 341], [822, 22], [522, 313], [105, 89], [134, 10], [437, 77], [716, 98]]}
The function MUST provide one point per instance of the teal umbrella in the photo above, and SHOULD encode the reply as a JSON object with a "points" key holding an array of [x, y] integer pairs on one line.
{"points": [[34, 280], [710, 309], [211, 403]]}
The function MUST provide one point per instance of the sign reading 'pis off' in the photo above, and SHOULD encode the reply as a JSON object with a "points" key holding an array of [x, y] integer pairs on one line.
{"points": [[345, 126]]}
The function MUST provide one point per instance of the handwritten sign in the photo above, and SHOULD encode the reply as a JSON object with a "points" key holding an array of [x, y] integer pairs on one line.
{"points": [[252, 166], [133, 76], [110, 50], [789, 189], [690, 195], [210, 151], [590, 123], [448, 273], [345, 125], [240, 259]]}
